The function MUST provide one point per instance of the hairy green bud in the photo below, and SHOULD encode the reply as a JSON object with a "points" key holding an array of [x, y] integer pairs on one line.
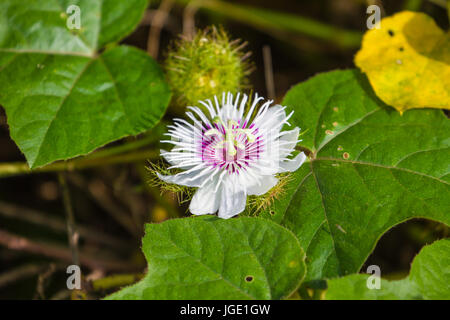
{"points": [[183, 193], [258, 204], [207, 65]]}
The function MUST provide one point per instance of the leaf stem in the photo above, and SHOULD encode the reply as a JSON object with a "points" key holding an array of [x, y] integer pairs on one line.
{"points": [[129, 145]]}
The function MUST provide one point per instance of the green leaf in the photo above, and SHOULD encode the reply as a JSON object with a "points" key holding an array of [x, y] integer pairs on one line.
{"points": [[61, 97], [211, 258], [354, 287], [429, 279], [370, 169], [430, 270], [40, 26]]}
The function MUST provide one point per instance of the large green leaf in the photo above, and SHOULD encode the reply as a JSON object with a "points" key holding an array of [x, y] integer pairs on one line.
{"points": [[370, 169], [429, 279], [211, 258], [39, 26], [430, 270], [62, 98]]}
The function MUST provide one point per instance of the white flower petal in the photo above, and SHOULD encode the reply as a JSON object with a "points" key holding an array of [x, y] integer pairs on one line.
{"points": [[232, 199], [288, 141], [265, 167], [166, 155], [191, 179], [266, 183], [272, 118], [292, 165], [205, 200]]}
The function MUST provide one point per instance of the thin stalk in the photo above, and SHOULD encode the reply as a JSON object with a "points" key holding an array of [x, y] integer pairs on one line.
{"points": [[102, 197], [22, 168], [19, 273], [268, 72], [16, 242], [270, 21], [72, 234], [56, 224], [129, 145], [157, 23]]}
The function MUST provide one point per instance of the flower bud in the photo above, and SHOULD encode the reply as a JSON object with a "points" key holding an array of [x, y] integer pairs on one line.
{"points": [[204, 66]]}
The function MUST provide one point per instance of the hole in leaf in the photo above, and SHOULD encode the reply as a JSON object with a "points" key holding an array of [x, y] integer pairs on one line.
{"points": [[272, 212], [401, 49], [391, 33], [397, 248], [249, 278]]}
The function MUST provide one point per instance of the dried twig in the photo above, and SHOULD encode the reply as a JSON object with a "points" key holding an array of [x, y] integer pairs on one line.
{"points": [[72, 234], [43, 280], [15, 242], [159, 18], [268, 72], [98, 191], [19, 273], [42, 219], [189, 21]]}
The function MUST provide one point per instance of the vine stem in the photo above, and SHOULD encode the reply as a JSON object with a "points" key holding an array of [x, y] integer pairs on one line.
{"points": [[129, 145], [270, 21], [21, 168]]}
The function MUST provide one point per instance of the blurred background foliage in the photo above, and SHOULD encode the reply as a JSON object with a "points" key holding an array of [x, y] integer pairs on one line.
{"points": [[296, 39]]}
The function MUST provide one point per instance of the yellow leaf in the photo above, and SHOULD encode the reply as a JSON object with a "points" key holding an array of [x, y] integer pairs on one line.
{"points": [[407, 61]]}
